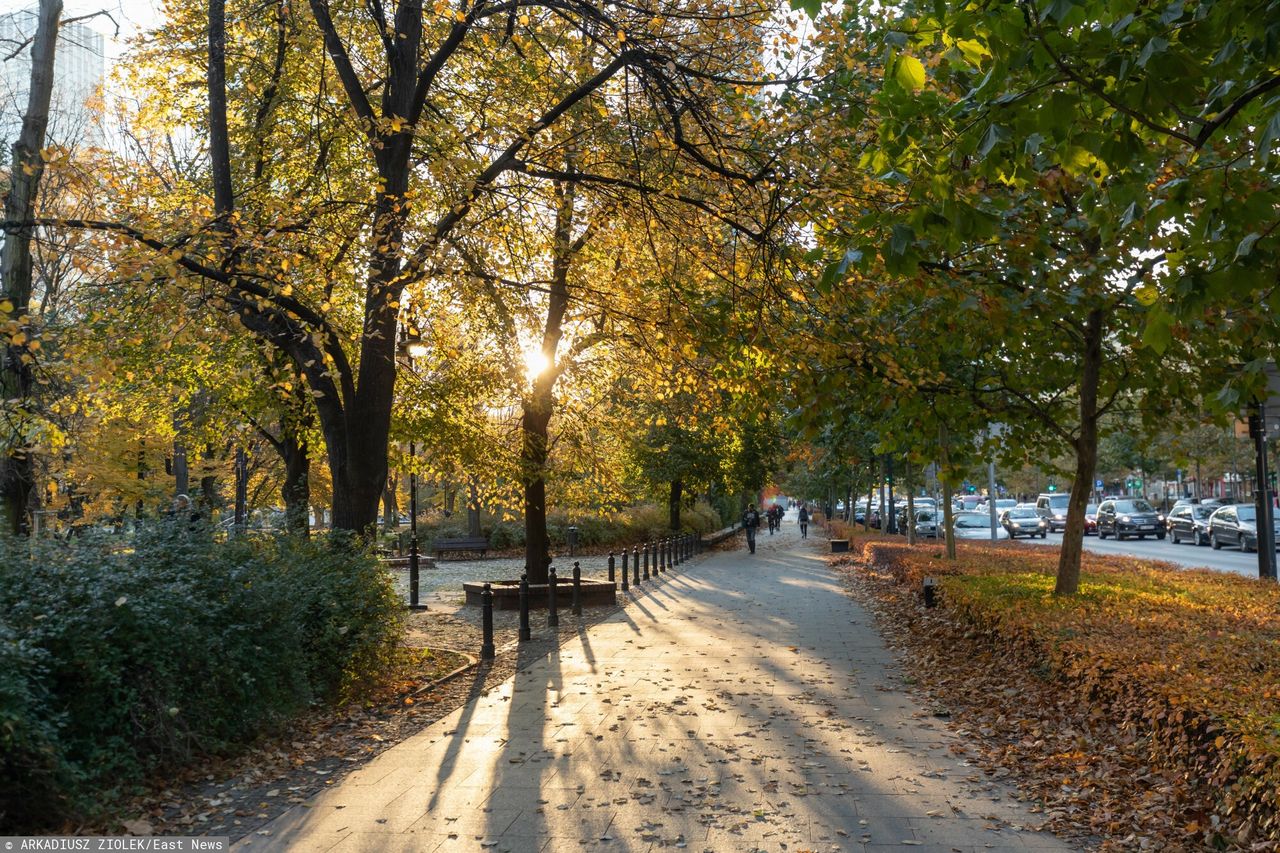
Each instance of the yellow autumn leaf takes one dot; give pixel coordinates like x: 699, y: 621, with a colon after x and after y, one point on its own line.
x: 910, y: 73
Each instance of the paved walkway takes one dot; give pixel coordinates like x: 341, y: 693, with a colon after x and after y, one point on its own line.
x: 748, y: 704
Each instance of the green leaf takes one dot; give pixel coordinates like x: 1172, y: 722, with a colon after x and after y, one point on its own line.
x: 1153, y: 47
x: 1270, y: 137
x: 910, y: 73
x: 1159, y: 331
x: 994, y: 136
x: 903, y: 236
x: 974, y: 51
x: 1246, y: 245
x: 809, y: 7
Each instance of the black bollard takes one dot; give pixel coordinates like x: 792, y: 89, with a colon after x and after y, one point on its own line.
x: 577, y: 589
x: 664, y: 554
x: 486, y: 611
x: 553, y: 615
x: 648, y: 546
x: 680, y: 549
x: 635, y: 566
x: 525, y: 633
x: 626, y: 572
x: 612, y: 571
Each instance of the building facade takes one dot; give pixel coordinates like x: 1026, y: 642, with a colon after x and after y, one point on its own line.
x: 79, y: 74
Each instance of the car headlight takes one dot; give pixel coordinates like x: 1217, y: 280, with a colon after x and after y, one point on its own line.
x: 1015, y: 524
x: 1125, y: 519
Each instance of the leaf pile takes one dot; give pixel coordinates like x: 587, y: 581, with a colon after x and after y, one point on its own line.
x: 1179, y: 665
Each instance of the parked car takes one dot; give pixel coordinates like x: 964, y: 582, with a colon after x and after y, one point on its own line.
x: 975, y: 525
x: 1237, y: 525
x: 1090, y: 519
x: 1125, y: 517
x: 928, y: 523
x: 1189, y: 521
x: 1052, y: 507
x: 1024, y: 521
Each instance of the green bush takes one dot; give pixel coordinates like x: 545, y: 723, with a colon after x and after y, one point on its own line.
x: 116, y: 661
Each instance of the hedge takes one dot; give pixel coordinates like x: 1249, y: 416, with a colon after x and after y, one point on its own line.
x: 1191, y: 659
x: 121, y: 660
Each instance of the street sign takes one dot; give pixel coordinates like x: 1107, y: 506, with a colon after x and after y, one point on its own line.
x: 1098, y: 483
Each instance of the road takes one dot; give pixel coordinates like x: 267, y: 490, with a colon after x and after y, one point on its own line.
x: 1186, y: 554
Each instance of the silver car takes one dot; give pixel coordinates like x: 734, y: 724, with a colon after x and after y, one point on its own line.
x: 976, y: 525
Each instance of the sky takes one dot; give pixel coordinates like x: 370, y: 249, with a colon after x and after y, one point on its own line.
x: 132, y: 16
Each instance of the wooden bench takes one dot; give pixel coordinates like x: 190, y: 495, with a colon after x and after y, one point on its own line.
x: 467, y: 543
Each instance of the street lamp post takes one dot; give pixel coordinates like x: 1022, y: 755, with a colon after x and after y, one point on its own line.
x: 411, y: 347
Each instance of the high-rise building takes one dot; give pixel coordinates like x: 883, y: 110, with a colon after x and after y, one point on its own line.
x: 79, y: 72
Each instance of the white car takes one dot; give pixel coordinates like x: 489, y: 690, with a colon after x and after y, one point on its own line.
x: 976, y: 525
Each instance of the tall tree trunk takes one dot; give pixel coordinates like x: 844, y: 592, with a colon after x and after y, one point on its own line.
x: 17, y: 469
x: 181, y: 471
x: 390, y: 508
x: 533, y: 462
x: 944, y: 474
x: 871, y: 491
x: 1086, y: 448
x: 473, y: 508
x: 539, y: 403
x: 296, y: 490
x: 911, y: 502
x: 673, y: 503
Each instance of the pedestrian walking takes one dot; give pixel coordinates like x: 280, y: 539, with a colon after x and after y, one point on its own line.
x: 751, y: 523
x: 803, y: 518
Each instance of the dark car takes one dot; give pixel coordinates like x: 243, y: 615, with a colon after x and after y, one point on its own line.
x: 1237, y: 525
x: 1024, y: 521
x: 1052, y: 507
x: 1090, y: 519
x: 1190, y: 521
x: 1125, y: 517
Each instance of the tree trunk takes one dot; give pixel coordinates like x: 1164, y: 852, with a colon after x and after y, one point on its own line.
x: 533, y: 461
x: 390, y: 508
x: 948, y: 515
x: 673, y: 503
x: 17, y: 470
x: 1086, y: 447
x: 871, y: 491
x: 539, y: 403
x: 911, y: 503
x: 473, y: 509
x: 181, y: 471
x: 297, y: 482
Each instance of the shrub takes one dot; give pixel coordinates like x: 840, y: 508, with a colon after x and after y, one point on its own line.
x: 119, y: 661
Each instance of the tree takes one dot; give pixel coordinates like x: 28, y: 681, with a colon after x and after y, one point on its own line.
x: 17, y: 365
x: 1008, y: 218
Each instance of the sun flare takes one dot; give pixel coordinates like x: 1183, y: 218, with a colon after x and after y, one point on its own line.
x: 535, y: 362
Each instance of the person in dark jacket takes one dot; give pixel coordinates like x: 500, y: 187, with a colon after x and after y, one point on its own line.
x: 751, y: 523
x: 803, y: 518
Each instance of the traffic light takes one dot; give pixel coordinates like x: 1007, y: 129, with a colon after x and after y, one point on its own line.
x: 1052, y: 487
x: 973, y: 489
